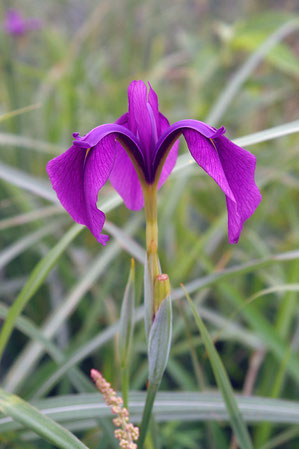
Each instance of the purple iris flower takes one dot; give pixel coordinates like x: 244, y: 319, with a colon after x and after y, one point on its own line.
x: 17, y: 25
x: 140, y: 150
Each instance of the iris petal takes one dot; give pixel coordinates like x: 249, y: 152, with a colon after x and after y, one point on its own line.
x: 230, y: 166
x: 125, y: 180
x: 120, y: 132
x: 124, y: 177
x: 97, y: 169
x: 171, y: 159
x: 239, y: 167
x: 76, y: 182
x: 78, y: 174
x: 139, y: 119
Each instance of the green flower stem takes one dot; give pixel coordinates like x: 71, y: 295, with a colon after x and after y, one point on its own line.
x: 147, y: 412
x: 150, y: 207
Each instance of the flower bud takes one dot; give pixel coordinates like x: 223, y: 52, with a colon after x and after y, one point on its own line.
x: 161, y: 330
x: 161, y: 290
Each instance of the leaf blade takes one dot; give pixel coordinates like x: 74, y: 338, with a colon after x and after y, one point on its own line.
x: 44, y: 426
x: 223, y: 383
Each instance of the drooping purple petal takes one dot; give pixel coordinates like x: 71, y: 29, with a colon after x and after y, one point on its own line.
x: 206, y: 156
x: 229, y: 165
x: 77, y: 175
x: 66, y: 173
x: 98, y: 166
x: 239, y: 167
x: 172, y: 133
x: 120, y: 132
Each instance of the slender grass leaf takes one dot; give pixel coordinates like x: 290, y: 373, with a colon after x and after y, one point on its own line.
x: 35, y: 280
x: 21, y: 245
x: 19, y: 220
x: 80, y: 381
x: 169, y: 406
x: 106, y: 335
x: 223, y: 383
x: 10, y: 114
x: 24, y: 363
x: 246, y: 69
x: 44, y: 426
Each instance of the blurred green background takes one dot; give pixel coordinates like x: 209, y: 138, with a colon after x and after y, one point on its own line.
x: 231, y: 63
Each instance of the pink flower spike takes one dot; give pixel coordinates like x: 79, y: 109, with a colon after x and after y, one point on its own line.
x: 126, y: 433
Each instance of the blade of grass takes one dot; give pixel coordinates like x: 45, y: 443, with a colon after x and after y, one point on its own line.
x: 28, y: 357
x: 105, y: 336
x: 169, y: 406
x: 10, y: 114
x: 30, y: 417
x: 7, y: 139
x: 35, y: 280
x: 19, y: 220
x: 21, y: 245
x: 236, y: 419
x: 227, y: 273
x: 80, y: 381
x: 243, y: 73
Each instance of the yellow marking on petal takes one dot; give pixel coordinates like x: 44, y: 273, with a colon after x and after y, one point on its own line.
x: 87, y: 151
x: 213, y: 144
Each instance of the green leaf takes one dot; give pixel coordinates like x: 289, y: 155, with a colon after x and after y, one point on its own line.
x: 127, y: 318
x: 169, y: 406
x: 126, y: 331
x: 23, y: 364
x: 10, y: 114
x: 31, y: 418
x: 29, y: 143
x: 80, y: 381
x: 246, y: 69
x: 19, y: 246
x: 198, y: 284
x: 35, y: 280
x: 223, y: 383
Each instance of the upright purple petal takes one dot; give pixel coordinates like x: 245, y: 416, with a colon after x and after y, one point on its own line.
x: 139, y: 118
x: 239, y: 167
x: 154, y: 103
